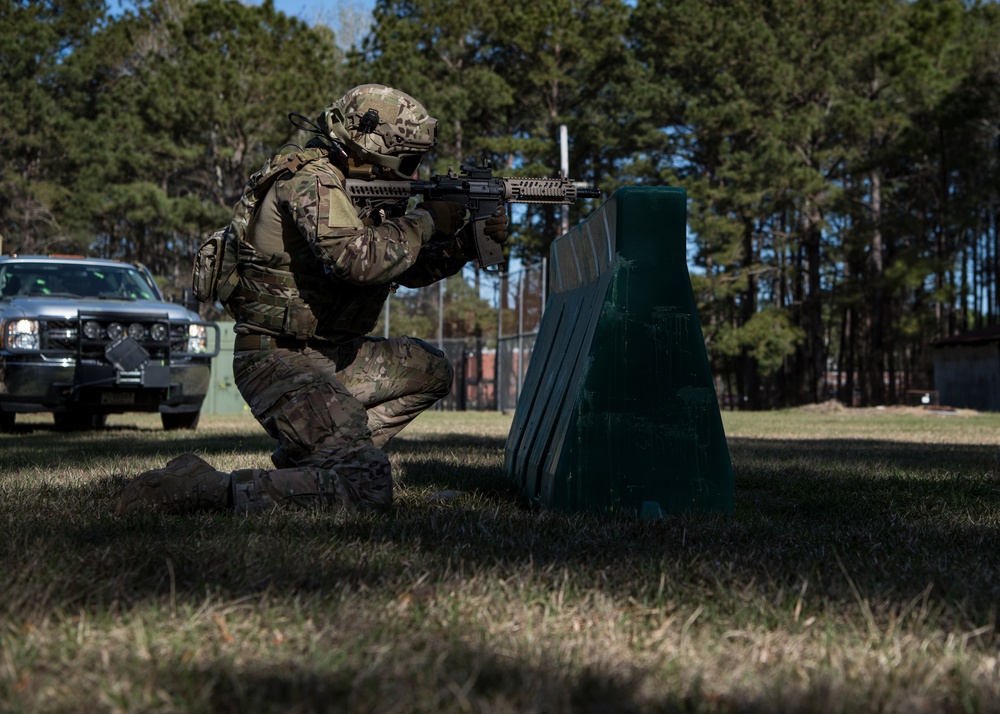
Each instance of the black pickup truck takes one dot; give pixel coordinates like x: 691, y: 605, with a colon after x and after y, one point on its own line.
x: 84, y: 337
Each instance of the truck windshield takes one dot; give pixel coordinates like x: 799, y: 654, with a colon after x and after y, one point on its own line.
x: 77, y: 281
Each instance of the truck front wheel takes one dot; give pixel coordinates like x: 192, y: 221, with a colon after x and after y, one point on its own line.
x: 180, y: 420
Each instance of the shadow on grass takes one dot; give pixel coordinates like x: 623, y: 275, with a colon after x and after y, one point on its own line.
x: 54, y: 448
x: 450, y: 674
x: 876, y: 519
x: 436, y: 443
x: 433, y: 674
x: 51, y: 447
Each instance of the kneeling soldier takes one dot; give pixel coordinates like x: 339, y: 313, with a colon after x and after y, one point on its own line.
x: 310, y: 280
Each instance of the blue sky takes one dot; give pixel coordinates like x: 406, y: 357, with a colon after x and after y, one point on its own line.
x: 309, y: 10
x: 348, y: 18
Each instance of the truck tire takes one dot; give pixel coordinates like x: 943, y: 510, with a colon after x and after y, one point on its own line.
x: 180, y: 420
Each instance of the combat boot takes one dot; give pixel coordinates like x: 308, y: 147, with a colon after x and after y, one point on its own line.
x: 188, y: 483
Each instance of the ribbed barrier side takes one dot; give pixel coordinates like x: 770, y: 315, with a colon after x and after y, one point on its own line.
x: 618, y: 409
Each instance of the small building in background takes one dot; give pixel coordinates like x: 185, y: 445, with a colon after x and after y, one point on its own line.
x: 967, y: 370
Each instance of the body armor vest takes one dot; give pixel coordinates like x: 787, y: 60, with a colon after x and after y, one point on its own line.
x: 289, y: 294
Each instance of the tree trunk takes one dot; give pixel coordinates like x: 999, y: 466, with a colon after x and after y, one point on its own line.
x: 747, y: 364
x: 813, y: 308
x: 874, y: 370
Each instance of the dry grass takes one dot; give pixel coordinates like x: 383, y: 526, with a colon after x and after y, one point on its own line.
x: 859, y: 573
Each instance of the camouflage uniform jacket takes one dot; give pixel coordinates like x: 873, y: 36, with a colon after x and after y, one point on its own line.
x: 310, y: 266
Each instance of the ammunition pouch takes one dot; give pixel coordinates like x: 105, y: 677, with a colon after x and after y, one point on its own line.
x: 208, y: 267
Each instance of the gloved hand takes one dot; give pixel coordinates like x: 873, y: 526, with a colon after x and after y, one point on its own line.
x: 495, y: 226
x: 448, y: 216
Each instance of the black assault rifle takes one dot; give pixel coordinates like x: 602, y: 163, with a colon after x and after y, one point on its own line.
x: 477, y: 190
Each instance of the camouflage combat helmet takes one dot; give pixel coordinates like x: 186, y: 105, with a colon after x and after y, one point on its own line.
x: 382, y: 126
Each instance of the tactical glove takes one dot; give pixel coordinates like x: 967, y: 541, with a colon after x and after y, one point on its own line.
x: 495, y: 227
x: 448, y: 216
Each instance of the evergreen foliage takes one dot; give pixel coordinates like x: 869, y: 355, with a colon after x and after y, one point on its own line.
x: 842, y: 157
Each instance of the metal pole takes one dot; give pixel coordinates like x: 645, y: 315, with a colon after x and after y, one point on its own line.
x: 441, y: 315
x: 520, y: 335
x: 545, y: 275
x: 439, y: 405
x: 496, y: 362
x: 564, y: 167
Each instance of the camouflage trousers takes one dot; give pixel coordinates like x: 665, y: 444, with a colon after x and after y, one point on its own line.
x: 332, y: 410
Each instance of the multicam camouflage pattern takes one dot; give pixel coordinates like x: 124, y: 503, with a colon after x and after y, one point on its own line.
x: 332, y: 411
x: 214, y: 274
x: 311, y: 267
x: 404, y: 126
x: 256, y: 490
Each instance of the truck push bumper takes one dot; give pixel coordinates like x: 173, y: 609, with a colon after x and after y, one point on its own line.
x: 40, y: 387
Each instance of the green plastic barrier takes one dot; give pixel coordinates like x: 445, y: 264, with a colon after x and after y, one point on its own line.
x: 618, y: 410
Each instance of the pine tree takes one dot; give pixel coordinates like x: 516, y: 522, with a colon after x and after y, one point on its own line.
x: 187, y: 101
x: 35, y: 39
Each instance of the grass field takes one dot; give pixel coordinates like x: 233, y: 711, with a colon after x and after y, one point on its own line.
x: 859, y: 573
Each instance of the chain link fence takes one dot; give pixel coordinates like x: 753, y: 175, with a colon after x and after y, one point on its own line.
x: 489, y: 366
